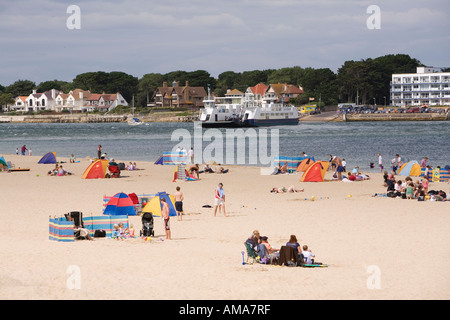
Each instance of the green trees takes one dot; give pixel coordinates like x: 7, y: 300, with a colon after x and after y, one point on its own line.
x: 111, y: 82
x: 369, y: 79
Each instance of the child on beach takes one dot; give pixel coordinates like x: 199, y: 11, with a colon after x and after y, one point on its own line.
x: 308, y: 256
x: 425, y: 183
x: 410, y: 191
x: 116, y: 234
x: 179, y: 203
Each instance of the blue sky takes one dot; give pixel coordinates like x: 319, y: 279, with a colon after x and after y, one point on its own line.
x: 144, y: 36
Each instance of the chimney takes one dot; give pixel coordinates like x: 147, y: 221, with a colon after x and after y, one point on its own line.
x: 53, y: 93
x: 187, y: 83
x: 164, y: 84
x: 34, y: 91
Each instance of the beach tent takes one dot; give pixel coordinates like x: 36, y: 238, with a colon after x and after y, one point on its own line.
x: 316, y: 172
x: 49, y: 158
x: 411, y: 168
x: 159, y: 161
x: 119, y: 205
x: 3, y: 161
x: 96, y: 170
x: 305, y: 164
x: 154, y: 205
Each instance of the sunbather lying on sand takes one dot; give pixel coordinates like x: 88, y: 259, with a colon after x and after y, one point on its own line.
x: 284, y: 190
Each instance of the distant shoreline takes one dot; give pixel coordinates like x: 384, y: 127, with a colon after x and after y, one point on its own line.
x: 172, y: 117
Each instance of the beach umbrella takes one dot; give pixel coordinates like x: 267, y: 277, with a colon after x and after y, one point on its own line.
x: 3, y: 161
x: 96, y: 170
x: 154, y: 205
x: 119, y: 205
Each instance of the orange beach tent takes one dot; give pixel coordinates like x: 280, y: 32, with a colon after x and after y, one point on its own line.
x: 305, y: 164
x: 96, y: 170
x: 315, y: 172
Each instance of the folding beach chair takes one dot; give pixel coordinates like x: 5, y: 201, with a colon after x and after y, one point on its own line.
x: 251, y: 254
x: 10, y: 165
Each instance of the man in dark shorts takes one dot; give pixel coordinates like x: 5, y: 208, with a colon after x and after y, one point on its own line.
x: 179, y: 203
x: 339, y: 167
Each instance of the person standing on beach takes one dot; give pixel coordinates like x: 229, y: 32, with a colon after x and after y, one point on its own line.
x: 191, y: 155
x: 179, y: 203
x: 166, y: 217
x: 99, y: 151
x: 423, y: 163
x: 17, y: 151
x: 24, y: 148
x: 380, y: 162
x: 30, y: 152
x: 339, y: 168
x: 219, y: 200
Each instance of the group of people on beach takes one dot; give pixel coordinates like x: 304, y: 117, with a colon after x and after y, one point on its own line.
x: 23, y: 150
x: 409, y: 189
x: 121, y: 233
x: 58, y: 170
x: 268, y: 255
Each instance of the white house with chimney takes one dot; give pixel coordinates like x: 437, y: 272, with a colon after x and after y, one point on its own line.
x: 76, y: 100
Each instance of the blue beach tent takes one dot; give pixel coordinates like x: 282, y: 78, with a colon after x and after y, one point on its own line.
x: 49, y: 158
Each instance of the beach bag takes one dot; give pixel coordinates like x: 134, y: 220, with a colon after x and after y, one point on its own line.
x: 99, y: 233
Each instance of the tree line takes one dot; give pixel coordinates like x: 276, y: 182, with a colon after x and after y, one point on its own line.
x: 368, y: 79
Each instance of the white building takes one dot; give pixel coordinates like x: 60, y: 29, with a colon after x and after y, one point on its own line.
x: 425, y: 87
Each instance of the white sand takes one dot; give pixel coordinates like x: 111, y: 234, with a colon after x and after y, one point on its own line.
x: 407, y: 241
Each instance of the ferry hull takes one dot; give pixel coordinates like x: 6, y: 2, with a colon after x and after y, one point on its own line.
x: 270, y: 122
x: 220, y: 124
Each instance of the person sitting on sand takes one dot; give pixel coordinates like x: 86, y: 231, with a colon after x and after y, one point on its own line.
x: 259, y: 248
x: 293, y: 243
x: 390, y: 183
x: 131, y: 166
x: 221, y: 170
x: 277, y: 169
x: 409, y: 191
x: 207, y: 169
x: 269, y: 248
x: 61, y: 171
x: 194, y: 168
x: 283, y: 169
x: 308, y: 256
x: 72, y: 158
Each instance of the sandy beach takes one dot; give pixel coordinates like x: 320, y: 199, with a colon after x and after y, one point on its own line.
x: 407, y: 242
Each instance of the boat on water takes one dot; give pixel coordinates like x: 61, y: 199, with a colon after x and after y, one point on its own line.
x: 232, y: 112
x: 135, y: 122
x: 221, y: 112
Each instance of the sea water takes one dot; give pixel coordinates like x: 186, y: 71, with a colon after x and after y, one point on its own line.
x: 357, y: 142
